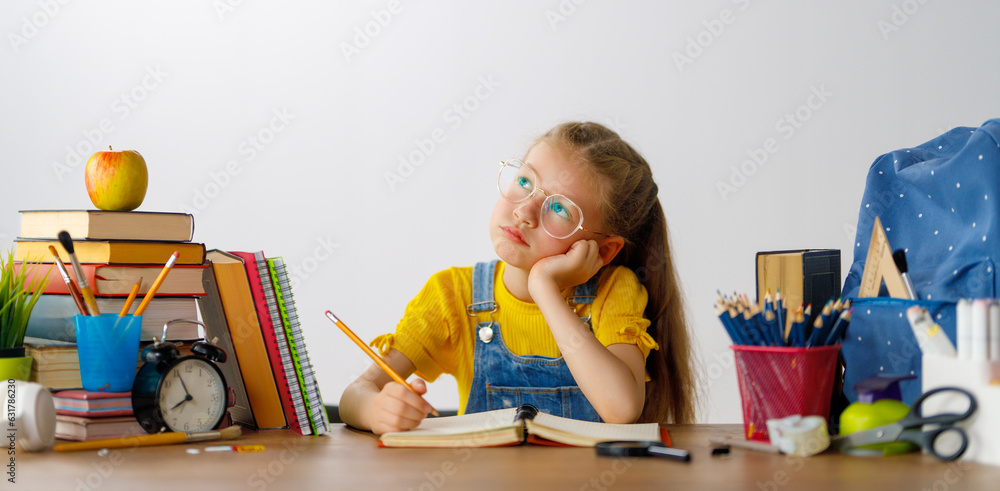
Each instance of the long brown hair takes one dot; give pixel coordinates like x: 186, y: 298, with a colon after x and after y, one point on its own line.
x: 631, y: 209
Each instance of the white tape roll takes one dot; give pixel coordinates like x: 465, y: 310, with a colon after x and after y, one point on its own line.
x: 799, y: 436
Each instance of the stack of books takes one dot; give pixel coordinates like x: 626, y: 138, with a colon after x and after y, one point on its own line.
x: 115, y: 250
x: 83, y: 415
x: 56, y: 364
x: 244, y: 300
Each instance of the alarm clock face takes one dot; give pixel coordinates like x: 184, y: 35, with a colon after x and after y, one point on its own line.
x: 192, y: 395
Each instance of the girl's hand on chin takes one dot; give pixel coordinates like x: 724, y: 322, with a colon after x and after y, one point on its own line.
x: 575, y: 267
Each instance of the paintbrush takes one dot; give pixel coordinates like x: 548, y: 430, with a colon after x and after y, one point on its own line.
x: 150, y: 440
x: 88, y: 296
x: 73, y: 290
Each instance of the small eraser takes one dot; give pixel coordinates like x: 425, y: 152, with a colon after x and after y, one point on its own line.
x: 720, y: 451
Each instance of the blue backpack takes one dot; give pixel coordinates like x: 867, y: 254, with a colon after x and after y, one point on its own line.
x: 940, y: 202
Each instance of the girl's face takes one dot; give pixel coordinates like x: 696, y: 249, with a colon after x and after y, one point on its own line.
x: 515, y: 228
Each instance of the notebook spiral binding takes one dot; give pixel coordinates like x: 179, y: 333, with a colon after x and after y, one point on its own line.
x: 291, y: 379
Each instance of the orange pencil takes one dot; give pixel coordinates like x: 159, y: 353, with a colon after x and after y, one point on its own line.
x: 378, y: 359
x: 131, y: 297
x: 156, y: 284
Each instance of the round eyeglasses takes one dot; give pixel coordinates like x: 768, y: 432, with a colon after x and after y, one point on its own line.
x: 560, y: 216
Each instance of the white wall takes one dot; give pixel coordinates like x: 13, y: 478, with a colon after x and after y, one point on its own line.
x: 211, y: 76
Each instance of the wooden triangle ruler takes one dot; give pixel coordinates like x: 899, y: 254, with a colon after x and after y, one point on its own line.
x: 880, y: 267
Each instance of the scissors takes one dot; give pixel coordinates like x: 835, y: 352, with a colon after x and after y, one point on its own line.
x: 641, y: 449
x: 944, y: 440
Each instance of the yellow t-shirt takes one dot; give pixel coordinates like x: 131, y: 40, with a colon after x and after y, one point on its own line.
x: 438, y: 336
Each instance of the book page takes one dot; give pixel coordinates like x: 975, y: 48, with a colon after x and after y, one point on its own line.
x: 588, y: 433
x: 485, y: 429
x: 466, y: 423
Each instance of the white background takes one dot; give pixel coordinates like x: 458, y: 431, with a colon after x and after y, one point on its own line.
x: 195, y: 85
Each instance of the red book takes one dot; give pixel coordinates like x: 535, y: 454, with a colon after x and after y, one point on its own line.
x: 274, y: 345
x: 116, y: 280
x: 80, y: 402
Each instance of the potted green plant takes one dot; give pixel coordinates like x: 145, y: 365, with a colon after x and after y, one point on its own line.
x: 17, y: 298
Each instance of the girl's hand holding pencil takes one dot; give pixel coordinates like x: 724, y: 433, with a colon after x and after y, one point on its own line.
x: 397, y: 406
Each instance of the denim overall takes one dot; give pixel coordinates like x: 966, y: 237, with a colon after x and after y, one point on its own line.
x: 502, y: 379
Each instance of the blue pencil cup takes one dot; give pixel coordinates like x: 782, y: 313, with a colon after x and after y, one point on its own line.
x: 108, y: 349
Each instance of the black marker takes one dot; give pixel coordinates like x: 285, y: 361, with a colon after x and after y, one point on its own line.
x: 899, y: 257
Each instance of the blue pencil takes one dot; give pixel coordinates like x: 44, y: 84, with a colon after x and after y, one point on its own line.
x: 727, y: 315
x: 726, y: 320
x: 796, y: 335
x: 758, y: 320
x: 839, y: 328
x: 779, y: 310
x: 771, y: 320
x: 754, y: 334
x: 822, y: 325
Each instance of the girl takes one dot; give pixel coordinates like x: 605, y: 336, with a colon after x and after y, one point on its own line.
x: 582, y: 317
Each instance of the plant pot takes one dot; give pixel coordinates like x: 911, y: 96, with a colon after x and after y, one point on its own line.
x: 14, y: 364
x: 12, y: 352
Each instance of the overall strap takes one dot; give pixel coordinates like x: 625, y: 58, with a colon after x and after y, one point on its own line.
x: 587, y: 292
x: 482, y: 288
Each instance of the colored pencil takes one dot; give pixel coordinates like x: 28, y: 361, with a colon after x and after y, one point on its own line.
x: 780, y: 313
x: 839, y: 328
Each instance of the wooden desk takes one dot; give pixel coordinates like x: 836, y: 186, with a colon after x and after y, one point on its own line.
x: 349, y: 459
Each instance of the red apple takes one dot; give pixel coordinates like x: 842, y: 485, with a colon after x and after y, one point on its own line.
x: 116, y: 181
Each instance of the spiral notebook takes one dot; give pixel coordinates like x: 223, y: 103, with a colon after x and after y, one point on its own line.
x: 274, y: 339
x: 312, y: 399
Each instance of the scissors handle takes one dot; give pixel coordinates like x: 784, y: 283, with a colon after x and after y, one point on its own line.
x: 940, y: 442
x: 916, y: 416
x: 946, y: 441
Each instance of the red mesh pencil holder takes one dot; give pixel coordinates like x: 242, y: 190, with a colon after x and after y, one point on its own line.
x: 776, y: 382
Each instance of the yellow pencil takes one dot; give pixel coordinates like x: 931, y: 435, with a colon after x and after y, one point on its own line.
x: 131, y: 297
x: 154, y: 439
x: 156, y: 284
x: 378, y: 359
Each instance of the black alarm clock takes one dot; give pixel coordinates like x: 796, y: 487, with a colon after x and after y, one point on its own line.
x: 180, y: 393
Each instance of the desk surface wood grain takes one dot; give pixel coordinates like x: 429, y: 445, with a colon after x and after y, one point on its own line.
x: 349, y: 459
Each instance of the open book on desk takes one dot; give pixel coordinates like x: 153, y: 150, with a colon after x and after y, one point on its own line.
x: 513, y: 426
